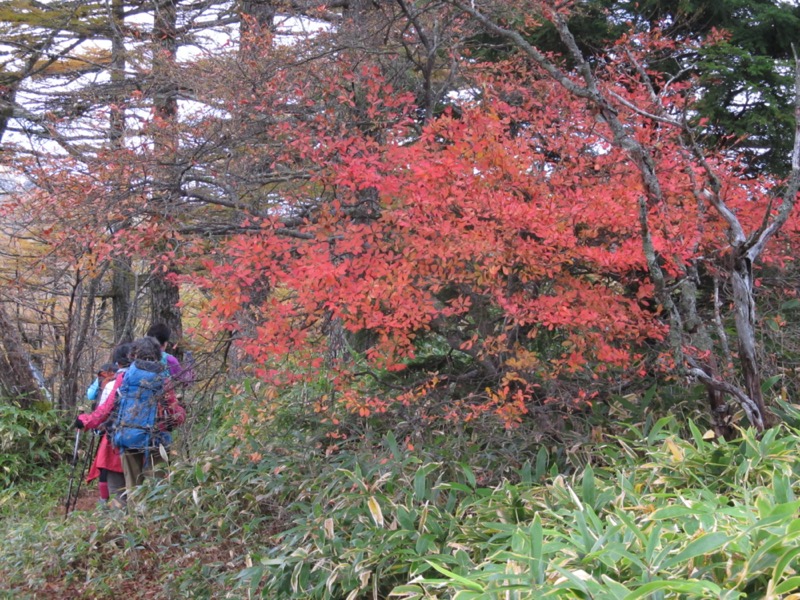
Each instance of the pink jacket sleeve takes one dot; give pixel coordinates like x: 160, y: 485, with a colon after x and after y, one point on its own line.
x: 102, y: 412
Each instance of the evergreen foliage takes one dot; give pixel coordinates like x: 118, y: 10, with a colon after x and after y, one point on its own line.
x: 745, y: 75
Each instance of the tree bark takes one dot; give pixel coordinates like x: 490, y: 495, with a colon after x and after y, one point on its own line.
x: 745, y: 319
x: 121, y: 288
x: 17, y: 381
x: 164, y: 306
x: 258, y: 20
x: 121, y: 291
x: 164, y: 294
x: 78, y: 332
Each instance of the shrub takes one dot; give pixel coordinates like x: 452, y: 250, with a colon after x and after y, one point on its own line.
x: 674, y: 519
x: 31, y: 442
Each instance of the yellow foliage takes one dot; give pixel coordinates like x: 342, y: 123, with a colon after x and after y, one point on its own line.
x: 89, y: 60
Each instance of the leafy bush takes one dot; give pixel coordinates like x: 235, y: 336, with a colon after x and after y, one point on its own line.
x: 672, y: 519
x: 275, y: 515
x: 31, y: 442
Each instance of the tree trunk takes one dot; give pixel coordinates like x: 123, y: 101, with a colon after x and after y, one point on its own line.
x: 121, y: 290
x: 745, y: 318
x: 164, y: 298
x: 17, y: 381
x: 696, y: 330
x: 258, y: 20
x: 121, y: 286
x: 78, y: 332
x: 164, y: 294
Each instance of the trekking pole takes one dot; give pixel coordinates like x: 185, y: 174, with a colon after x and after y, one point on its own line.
x: 86, y: 460
x: 72, y: 474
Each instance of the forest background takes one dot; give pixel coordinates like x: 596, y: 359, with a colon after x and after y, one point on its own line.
x: 427, y: 256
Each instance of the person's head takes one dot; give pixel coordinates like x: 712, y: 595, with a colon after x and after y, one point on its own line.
x: 161, y: 332
x: 147, y: 348
x: 122, y: 355
x: 106, y: 371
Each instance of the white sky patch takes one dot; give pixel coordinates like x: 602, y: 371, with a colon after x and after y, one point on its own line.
x: 465, y: 95
x: 288, y: 29
x: 51, y: 93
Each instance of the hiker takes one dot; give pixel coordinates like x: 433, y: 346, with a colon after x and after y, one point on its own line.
x: 107, y: 466
x: 104, y: 375
x: 179, y: 373
x: 146, y: 412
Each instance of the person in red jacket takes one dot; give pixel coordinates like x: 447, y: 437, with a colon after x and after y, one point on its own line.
x: 107, y: 465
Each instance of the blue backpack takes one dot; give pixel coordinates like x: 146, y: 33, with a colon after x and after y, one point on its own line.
x: 137, y: 410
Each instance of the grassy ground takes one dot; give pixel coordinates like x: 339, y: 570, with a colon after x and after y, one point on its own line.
x: 97, y: 552
x: 653, y: 515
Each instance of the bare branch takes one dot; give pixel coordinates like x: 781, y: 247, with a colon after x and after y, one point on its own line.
x: 640, y: 111
x: 789, y: 197
x: 750, y: 408
x: 523, y: 44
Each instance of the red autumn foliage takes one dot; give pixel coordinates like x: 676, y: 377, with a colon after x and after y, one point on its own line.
x: 505, y: 229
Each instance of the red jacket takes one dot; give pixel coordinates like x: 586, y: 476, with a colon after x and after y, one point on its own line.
x: 107, y: 456
x: 101, y: 414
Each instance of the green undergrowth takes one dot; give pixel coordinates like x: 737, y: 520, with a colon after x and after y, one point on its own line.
x: 653, y: 514
x: 31, y: 442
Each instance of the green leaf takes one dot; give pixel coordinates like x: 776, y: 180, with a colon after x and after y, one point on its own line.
x: 652, y: 543
x: 526, y: 473
x: 536, y: 534
x: 790, y: 585
x: 792, y: 304
x: 694, y: 588
x: 703, y: 545
x: 674, y: 512
x: 648, y: 396
x: 784, y: 562
x: 631, y: 525
x: 408, y: 592
x: 391, y: 442
x: 468, y: 474
x: 199, y: 474
x: 424, y: 544
x: 657, y: 427
x: 588, y: 485
x: 697, y: 435
x: 459, y: 487
x: 617, y: 589
x: 767, y: 384
x: 468, y: 595
x: 786, y: 509
x: 542, y: 458
x: 422, y: 491
x: 794, y: 526
x: 782, y: 488
x: 520, y: 542
x: 471, y: 585
x: 407, y: 518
